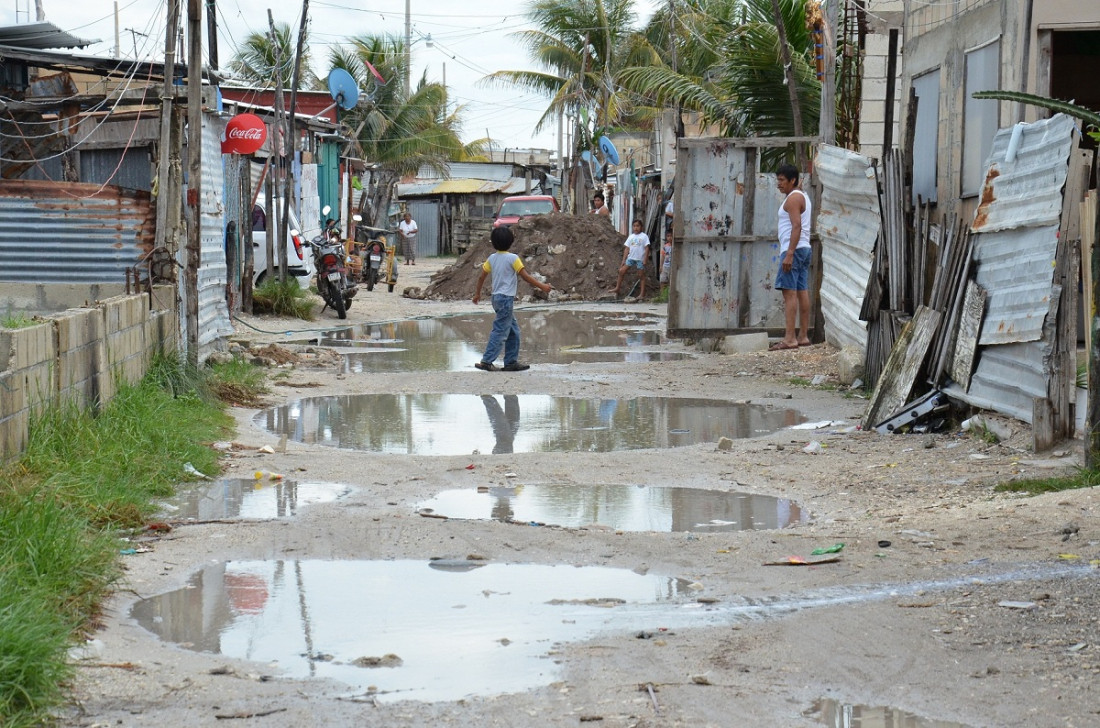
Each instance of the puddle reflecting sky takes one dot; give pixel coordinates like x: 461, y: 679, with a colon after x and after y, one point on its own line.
x: 261, y: 498
x: 549, y: 337
x: 835, y: 714
x: 457, y: 424
x: 621, y: 507
x: 484, y: 631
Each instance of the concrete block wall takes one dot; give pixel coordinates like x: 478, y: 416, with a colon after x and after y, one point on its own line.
x: 80, y: 355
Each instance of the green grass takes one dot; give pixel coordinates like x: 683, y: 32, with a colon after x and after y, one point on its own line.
x: 239, y: 382
x: 17, y: 321
x: 1035, y: 486
x: 63, y: 504
x: 662, y: 295
x: 283, y: 299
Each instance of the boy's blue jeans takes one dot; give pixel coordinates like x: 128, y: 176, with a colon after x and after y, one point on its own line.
x: 505, y: 332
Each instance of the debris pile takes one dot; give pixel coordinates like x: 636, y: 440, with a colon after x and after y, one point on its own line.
x: 579, y: 255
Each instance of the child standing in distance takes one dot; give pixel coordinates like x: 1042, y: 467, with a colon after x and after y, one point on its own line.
x: 506, y: 269
x: 635, y: 250
x: 666, y: 261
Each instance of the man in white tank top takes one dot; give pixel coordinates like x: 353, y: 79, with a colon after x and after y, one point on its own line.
x: 793, y: 278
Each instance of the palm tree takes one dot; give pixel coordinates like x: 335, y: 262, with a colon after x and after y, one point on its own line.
x: 581, y: 47
x: 260, y: 60
x: 731, y: 67
x: 398, y: 129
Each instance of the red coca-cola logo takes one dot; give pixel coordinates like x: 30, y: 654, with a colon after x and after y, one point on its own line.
x: 244, y: 134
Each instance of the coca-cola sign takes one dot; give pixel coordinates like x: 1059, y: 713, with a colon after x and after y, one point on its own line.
x: 244, y: 134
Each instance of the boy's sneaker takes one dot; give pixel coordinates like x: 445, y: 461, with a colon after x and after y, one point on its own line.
x: 515, y: 367
x: 486, y: 367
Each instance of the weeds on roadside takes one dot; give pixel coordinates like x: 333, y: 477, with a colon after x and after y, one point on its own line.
x: 17, y: 321
x: 81, y: 477
x: 662, y: 295
x: 1035, y: 486
x: 283, y: 299
x: 238, y: 382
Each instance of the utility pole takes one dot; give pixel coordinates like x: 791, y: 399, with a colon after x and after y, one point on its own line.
x: 167, y: 95
x: 675, y: 65
x: 279, y: 149
x: 212, y: 34
x: 408, y: 46
x: 194, y: 178
x: 293, y: 137
x: 827, y: 129
x: 117, y: 53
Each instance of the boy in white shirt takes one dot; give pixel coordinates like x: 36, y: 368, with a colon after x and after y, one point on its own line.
x: 635, y: 252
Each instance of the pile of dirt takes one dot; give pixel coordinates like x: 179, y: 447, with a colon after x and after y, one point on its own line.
x: 579, y: 255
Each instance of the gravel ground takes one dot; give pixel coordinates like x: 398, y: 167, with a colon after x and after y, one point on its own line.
x: 981, y: 609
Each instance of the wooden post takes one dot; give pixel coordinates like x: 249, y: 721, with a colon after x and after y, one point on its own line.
x: 827, y: 124
x: 194, y: 178
x: 167, y: 95
x: 1092, y: 421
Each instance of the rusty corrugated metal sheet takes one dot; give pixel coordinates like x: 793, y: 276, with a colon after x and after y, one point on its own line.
x: 214, y: 323
x: 53, y: 232
x: 1018, y: 222
x: 848, y: 224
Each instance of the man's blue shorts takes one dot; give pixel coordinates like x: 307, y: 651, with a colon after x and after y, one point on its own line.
x: 639, y: 264
x: 798, y: 278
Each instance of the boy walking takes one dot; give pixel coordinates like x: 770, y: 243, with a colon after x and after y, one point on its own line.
x: 635, y: 251
x: 506, y: 269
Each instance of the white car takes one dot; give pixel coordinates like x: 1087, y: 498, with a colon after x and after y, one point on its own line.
x: 299, y: 260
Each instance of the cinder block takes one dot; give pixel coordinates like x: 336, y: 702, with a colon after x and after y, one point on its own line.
x: 849, y: 365
x: 744, y: 343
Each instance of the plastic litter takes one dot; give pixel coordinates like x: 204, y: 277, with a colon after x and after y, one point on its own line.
x: 192, y: 471
x: 813, y: 448
x: 834, y: 549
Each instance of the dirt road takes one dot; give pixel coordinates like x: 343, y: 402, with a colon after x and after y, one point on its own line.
x: 947, y: 601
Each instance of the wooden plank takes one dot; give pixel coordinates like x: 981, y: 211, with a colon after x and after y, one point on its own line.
x: 902, y: 367
x: 1042, y: 425
x: 966, y: 345
x: 1088, y: 239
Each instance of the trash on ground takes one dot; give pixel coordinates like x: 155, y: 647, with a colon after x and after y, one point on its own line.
x: 1008, y: 604
x: 192, y: 471
x: 834, y: 549
x: 813, y: 448
x: 799, y: 561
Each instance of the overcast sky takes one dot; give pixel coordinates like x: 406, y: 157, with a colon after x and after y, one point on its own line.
x: 470, y: 37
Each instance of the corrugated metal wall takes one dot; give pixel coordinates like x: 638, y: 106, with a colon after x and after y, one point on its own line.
x: 848, y: 224
x: 726, y: 239
x: 1017, y: 236
x: 428, y: 240
x: 71, y: 233
x: 214, y: 323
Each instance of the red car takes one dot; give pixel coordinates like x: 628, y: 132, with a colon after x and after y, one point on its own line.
x: 514, y: 209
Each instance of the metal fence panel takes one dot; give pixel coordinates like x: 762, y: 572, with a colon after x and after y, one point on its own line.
x: 428, y: 239
x: 214, y: 321
x: 848, y: 224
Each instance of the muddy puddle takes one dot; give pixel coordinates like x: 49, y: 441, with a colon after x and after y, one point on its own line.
x: 264, y: 497
x: 454, y: 344
x: 462, y: 424
x: 835, y: 714
x: 401, y: 629
x: 619, y: 507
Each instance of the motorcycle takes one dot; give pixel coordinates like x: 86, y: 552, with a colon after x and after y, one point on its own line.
x: 378, y: 257
x: 374, y: 251
x: 333, y: 283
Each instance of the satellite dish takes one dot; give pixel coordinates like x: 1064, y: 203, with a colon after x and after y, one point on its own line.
x: 586, y: 155
x: 343, y: 89
x: 609, y: 151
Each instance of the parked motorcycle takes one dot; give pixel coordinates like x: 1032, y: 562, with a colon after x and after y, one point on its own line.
x: 373, y: 253
x: 379, y: 264
x: 333, y: 283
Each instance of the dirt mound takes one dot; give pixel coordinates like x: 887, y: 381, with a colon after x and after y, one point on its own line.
x: 579, y: 255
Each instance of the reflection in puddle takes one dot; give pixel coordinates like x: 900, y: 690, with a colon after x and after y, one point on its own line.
x: 412, y: 631
x: 621, y: 507
x: 549, y: 337
x: 250, y: 498
x: 457, y: 424
x: 835, y: 714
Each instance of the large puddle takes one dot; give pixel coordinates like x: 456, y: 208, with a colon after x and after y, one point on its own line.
x: 259, y: 498
x: 619, y: 507
x: 447, y: 629
x: 454, y: 344
x: 399, y: 628
x: 460, y: 424
x: 834, y: 714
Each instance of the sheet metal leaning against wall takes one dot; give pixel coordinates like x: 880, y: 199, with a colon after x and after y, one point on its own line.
x: 848, y: 224
x: 214, y: 323
x: 725, y: 238
x: 1017, y: 227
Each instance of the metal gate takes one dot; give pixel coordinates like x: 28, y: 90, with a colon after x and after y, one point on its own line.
x: 428, y: 240
x: 726, y: 238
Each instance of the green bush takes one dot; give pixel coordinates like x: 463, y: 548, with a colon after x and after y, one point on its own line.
x: 283, y: 299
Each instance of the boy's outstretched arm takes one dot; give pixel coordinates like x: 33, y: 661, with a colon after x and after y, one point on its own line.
x: 480, y: 283
x: 544, y: 287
